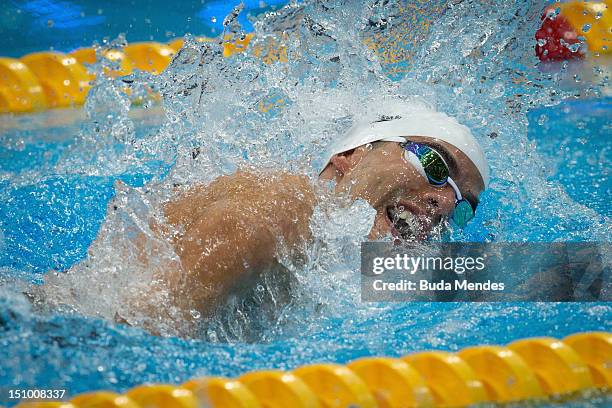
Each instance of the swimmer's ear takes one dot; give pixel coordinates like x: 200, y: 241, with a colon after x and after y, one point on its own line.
x: 342, y: 162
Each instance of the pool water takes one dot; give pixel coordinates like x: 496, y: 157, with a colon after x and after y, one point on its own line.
x: 35, y: 25
x: 548, y: 146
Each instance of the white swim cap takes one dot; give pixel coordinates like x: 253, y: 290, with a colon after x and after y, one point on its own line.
x: 408, y: 119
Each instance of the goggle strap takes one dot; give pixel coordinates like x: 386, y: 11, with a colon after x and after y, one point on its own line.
x: 414, y: 161
x: 454, y: 186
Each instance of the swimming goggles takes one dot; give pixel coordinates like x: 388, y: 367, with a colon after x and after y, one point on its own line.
x: 431, y: 165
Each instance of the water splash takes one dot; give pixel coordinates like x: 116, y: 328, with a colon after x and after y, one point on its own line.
x: 218, y: 114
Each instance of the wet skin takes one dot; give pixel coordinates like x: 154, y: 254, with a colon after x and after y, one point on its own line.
x: 230, y: 231
x: 232, y: 228
x: 380, y: 174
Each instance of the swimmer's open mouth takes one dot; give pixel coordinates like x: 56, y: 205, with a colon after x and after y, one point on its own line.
x: 404, y: 224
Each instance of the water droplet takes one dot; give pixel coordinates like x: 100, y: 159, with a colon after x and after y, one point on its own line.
x: 542, y: 119
x: 586, y: 28
x: 498, y: 90
x: 573, y: 47
x: 195, y: 314
x: 213, y: 19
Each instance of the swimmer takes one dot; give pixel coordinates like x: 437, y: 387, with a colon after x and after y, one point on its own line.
x: 416, y: 167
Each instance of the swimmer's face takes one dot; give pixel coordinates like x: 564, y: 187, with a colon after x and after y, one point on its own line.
x: 406, y: 204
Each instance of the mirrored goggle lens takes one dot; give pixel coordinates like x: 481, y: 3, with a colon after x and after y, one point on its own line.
x: 434, y: 165
x: 463, y: 213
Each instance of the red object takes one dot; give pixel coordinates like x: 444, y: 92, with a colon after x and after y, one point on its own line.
x: 556, y: 38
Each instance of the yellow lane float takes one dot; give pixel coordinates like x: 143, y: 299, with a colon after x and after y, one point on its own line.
x: 504, y: 374
x: 558, y: 368
x: 88, y: 56
x: 593, y: 20
x: 392, y: 382
x: 163, y: 396
x: 595, y: 349
x: 178, y: 43
x: 222, y: 392
x: 278, y: 389
x: 566, y: 25
x: 527, y: 369
x: 271, y: 51
x: 336, y: 386
x: 150, y: 56
x: 52, y: 79
x: 451, y: 380
x: 9, y: 102
x: 20, y: 90
x: 231, y: 45
x: 103, y: 399
x: 64, y: 81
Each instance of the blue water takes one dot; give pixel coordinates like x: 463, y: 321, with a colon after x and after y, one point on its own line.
x: 573, y: 137
x: 550, y: 181
x: 34, y: 25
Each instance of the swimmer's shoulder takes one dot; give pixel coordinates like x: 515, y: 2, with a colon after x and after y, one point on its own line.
x: 245, y: 187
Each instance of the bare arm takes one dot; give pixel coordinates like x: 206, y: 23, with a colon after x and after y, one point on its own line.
x: 225, y: 234
x: 232, y: 229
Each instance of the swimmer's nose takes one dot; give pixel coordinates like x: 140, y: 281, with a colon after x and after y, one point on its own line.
x: 441, y: 201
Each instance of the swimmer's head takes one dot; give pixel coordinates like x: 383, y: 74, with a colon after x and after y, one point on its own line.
x: 414, y: 165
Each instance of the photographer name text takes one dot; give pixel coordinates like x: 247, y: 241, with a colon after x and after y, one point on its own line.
x: 425, y: 285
